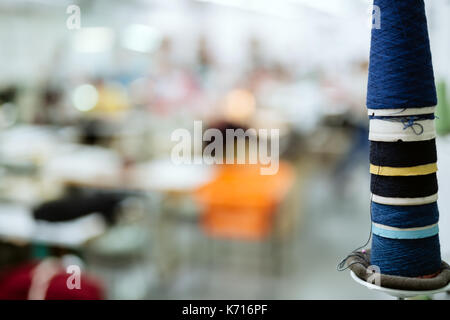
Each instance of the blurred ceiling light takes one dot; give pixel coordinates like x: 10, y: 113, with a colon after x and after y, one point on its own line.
x: 336, y: 8
x: 93, y: 39
x: 239, y: 105
x: 85, y: 97
x: 281, y: 9
x: 141, y: 38
x: 332, y: 7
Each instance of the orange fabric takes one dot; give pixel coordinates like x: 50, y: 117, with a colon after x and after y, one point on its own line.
x: 240, y: 202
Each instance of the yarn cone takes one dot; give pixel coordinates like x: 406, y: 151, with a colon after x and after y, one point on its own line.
x: 401, y: 101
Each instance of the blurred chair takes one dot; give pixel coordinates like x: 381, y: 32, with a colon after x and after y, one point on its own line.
x: 241, y: 203
x: 241, y: 210
x: 122, y: 257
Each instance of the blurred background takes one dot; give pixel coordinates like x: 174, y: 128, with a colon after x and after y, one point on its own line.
x: 86, y: 117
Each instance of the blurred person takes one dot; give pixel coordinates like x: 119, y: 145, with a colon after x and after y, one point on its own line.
x: 8, y: 94
x: 240, y: 202
x: 50, y: 105
x: 255, y: 54
x: 356, y: 122
x: 47, y: 280
x: 173, y: 87
x: 8, y: 108
x: 207, y: 80
x: 205, y: 60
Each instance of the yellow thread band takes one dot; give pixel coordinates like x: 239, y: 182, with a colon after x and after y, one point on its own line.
x: 408, y: 171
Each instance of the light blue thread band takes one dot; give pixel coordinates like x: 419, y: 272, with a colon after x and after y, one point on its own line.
x: 405, y: 234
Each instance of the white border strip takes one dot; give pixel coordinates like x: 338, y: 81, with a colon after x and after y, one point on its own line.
x: 404, y: 201
x: 390, y: 131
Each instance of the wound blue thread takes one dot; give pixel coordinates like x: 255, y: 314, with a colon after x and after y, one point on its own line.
x: 407, y: 258
x: 401, y: 77
x: 405, y: 216
x: 401, y: 71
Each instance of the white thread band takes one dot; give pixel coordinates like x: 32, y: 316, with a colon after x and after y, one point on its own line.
x: 400, y: 112
x: 404, y: 201
x: 392, y: 131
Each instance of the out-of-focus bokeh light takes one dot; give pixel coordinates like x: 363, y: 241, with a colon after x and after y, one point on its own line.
x: 85, y: 97
x: 93, y: 39
x: 239, y: 105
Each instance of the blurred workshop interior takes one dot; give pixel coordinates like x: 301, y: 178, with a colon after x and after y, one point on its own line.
x: 87, y: 177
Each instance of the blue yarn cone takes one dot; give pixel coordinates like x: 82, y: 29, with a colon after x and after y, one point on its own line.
x: 401, y: 77
x: 401, y: 71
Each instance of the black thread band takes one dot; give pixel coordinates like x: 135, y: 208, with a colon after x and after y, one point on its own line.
x: 403, y: 154
x: 404, y: 187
